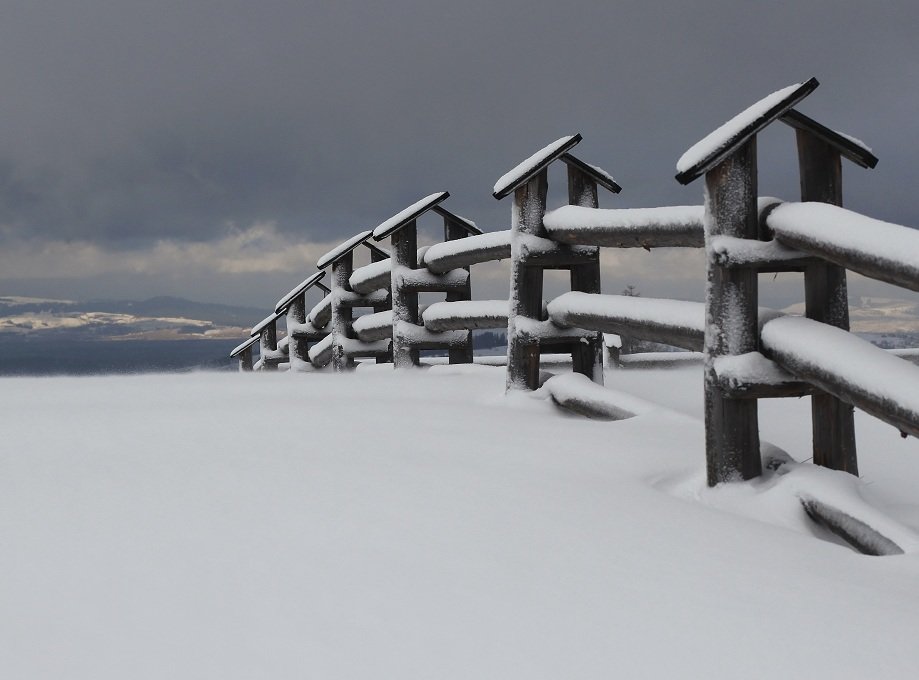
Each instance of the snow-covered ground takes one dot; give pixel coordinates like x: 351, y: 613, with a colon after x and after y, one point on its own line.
x: 377, y: 525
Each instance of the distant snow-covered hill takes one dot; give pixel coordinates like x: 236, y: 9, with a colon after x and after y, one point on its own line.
x: 158, y: 318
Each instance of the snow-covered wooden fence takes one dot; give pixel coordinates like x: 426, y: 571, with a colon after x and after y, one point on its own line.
x: 749, y: 352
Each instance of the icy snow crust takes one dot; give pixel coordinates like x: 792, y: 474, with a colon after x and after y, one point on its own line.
x: 716, y: 140
x: 509, y: 180
x: 425, y: 525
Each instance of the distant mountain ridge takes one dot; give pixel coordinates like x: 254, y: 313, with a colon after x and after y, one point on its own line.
x: 156, y: 318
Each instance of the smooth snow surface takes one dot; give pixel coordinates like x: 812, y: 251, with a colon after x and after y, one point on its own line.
x: 420, y: 524
x: 712, y: 142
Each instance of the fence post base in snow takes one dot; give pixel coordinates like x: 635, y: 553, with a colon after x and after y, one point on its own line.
x: 404, y: 300
x: 526, y: 282
x: 245, y: 360
x: 586, y: 357
x: 268, y: 344
x: 296, y: 314
x: 731, y: 425
x: 827, y: 301
x: 463, y: 354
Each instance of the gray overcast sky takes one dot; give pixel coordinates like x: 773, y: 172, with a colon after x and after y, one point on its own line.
x: 213, y: 149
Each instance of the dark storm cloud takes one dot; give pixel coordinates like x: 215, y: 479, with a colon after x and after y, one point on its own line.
x: 127, y: 122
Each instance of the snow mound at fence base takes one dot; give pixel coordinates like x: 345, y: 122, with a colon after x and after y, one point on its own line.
x: 425, y: 525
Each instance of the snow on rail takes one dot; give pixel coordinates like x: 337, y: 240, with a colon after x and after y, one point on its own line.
x: 371, y: 327
x: 421, y: 338
x: 305, y: 331
x: 401, y: 218
x: 359, y: 348
x: 463, y: 252
x: 321, y: 353
x: 715, y: 146
x: 880, y: 250
x: 321, y: 313
x: 847, y: 367
x: 673, y: 322
x: 371, y: 277
x: 627, y: 227
x: 525, y: 170
x: 466, y: 315
x: 340, y: 250
x: 422, y: 280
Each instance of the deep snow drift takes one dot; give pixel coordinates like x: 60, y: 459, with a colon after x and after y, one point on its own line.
x: 377, y: 525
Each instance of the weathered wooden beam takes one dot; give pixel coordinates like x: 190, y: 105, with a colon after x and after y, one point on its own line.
x: 526, y: 282
x: 298, y: 344
x: 727, y: 140
x: 342, y: 314
x: 827, y: 301
x: 268, y: 346
x: 731, y: 425
x: 845, y: 146
x: 404, y: 301
x: 586, y: 357
x: 526, y: 171
x: 455, y: 230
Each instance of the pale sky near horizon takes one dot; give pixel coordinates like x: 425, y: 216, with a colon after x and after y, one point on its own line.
x: 213, y: 150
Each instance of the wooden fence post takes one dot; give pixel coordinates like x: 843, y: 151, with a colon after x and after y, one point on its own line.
x: 342, y: 314
x: 404, y: 299
x: 587, y: 358
x: 298, y: 348
x: 526, y: 281
x: 463, y: 354
x: 245, y: 360
x: 827, y: 301
x: 378, y: 255
x: 268, y: 344
x: 731, y: 425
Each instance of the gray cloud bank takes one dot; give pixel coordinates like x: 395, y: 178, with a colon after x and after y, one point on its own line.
x: 131, y: 128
